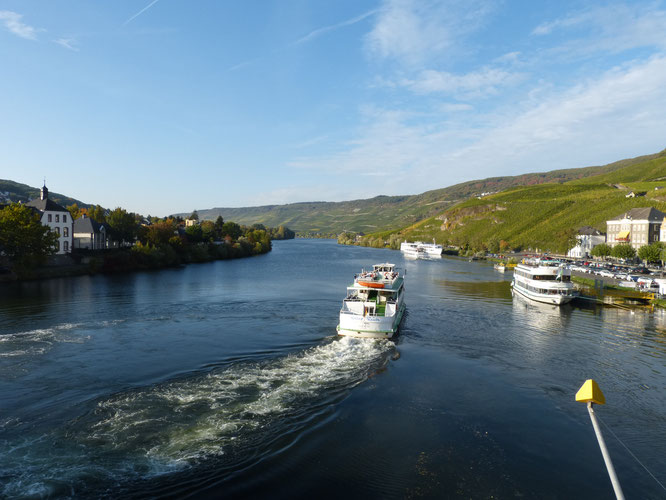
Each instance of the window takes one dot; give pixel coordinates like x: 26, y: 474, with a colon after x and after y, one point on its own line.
x: 50, y: 218
x: 57, y: 218
x: 64, y: 219
x: 65, y: 245
x: 58, y: 246
x: 65, y: 231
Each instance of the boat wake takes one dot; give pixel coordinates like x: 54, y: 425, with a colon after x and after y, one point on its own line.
x: 233, y: 416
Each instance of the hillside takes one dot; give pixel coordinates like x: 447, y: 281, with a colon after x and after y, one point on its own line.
x: 11, y: 191
x: 389, y: 212
x: 544, y: 216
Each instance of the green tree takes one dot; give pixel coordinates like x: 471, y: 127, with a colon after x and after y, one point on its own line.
x: 602, y: 250
x: 194, y: 233
x: 219, y: 224
x: 493, y: 245
x: 123, y: 225
x: 97, y: 213
x: 232, y: 230
x: 652, y: 252
x: 160, y: 233
x: 208, y: 230
x: 623, y: 251
x: 23, y: 238
x: 74, y: 211
x: 194, y: 215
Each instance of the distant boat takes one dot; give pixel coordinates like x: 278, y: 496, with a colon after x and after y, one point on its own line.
x: 374, y: 305
x: 420, y: 249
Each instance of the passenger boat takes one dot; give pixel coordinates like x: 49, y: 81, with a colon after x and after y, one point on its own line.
x: 547, y: 281
x: 411, y: 249
x: 432, y: 249
x: 421, y: 250
x: 374, y: 305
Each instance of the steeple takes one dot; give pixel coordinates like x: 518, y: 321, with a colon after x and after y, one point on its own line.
x: 44, y: 192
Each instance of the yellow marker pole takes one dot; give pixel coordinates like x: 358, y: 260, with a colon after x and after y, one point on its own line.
x: 590, y: 393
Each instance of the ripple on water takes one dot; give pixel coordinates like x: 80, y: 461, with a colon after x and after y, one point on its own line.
x: 227, y: 414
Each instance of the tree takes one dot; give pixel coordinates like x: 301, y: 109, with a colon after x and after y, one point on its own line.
x: 97, y: 213
x: 219, y: 224
x: 493, y: 245
x: 652, y: 252
x: 232, y: 229
x: 194, y: 233
x: 601, y: 250
x: 123, y: 225
x: 194, y: 215
x: 208, y: 230
x: 160, y: 233
x: 74, y: 211
x: 23, y: 238
x: 623, y: 251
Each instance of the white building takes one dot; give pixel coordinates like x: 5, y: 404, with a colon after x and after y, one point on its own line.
x: 588, y: 238
x: 57, y: 218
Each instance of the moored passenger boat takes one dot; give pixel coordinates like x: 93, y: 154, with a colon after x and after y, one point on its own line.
x: 545, y: 281
x: 374, y: 305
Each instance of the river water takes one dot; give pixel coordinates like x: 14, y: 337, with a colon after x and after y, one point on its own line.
x: 226, y: 379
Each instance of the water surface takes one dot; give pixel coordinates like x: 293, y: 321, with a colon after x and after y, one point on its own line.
x: 227, y: 378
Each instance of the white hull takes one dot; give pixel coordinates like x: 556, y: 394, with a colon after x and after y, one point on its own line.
x: 370, y: 327
x: 557, y: 300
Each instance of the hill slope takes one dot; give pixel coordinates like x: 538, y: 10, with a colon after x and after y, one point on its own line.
x: 389, y: 212
x: 546, y: 216
x: 11, y: 191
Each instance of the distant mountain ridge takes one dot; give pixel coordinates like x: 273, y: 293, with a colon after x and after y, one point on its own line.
x: 383, y: 213
x: 11, y: 191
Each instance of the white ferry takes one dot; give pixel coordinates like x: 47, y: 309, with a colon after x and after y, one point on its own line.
x: 420, y: 249
x: 432, y: 249
x: 545, y: 281
x: 412, y: 250
x: 374, y: 305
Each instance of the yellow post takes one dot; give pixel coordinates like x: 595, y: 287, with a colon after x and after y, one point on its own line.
x: 590, y: 393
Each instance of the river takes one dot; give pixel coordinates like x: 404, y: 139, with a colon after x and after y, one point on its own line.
x: 227, y: 379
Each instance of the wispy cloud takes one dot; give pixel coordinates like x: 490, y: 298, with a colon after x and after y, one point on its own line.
x: 611, y: 28
x: 616, y: 114
x: 414, y: 31
x: 140, y: 12
x: 481, y: 83
x: 326, y: 29
x: 12, y: 22
x: 68, y: 43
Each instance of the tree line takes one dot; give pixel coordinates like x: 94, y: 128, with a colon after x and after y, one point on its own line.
x: 144, y: 242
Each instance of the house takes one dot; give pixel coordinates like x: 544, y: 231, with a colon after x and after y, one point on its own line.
x: 90, y: 234
x: 191, y: 222
x: 588, y: 237
x: 56, y: 217
x: 637, y: 227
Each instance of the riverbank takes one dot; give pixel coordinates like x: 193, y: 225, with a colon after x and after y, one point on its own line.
x: 136, y: 258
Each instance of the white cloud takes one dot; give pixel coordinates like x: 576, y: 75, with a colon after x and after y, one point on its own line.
x: 619, y: 114
x: 414, y: 31
x: 611, y: 28
x: 480, y: 83
x: 68, y: 43
x: 12, y: 22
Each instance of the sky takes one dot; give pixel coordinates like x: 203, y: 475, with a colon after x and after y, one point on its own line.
x: 167, y: 106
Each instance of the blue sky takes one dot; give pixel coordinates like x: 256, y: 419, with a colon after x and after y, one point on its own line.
x: 165, y: 106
